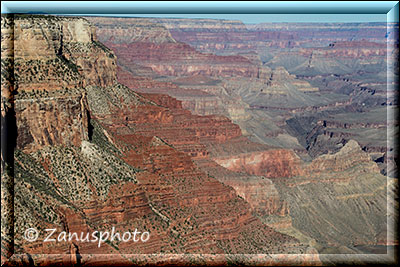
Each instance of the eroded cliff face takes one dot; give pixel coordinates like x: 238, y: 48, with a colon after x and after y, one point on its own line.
x: 285, y: 163
x: 97, y: 155
x: 349, y: 49
x: 43, y: 122
x: 351, y: 200
x: 201, y: 95
x: 277, y: 93
x: 54, y: 60
x: 343, y: 63
x: 142, y: 160
x: 202, y: 139
x: 156, y: 135
x: 209, y: 83
x: 226, y: 37
x: 161, y: 138
x: 72, y: 54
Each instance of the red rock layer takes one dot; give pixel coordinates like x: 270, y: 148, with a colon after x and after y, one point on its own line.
x: 198, y: 137
x: 43, y: 122
x: 184, y: 209
x: 272, y: 163
x: 184, y: 196
x: 53, y: 60
x: 258, y: 191
x: 177, y: 126
x: 232, y: 41
x: 230, y: 37
x: 149, y: 85
x: 179, y: 59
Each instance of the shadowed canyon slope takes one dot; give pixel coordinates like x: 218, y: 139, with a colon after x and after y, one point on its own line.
x: 233, y: 149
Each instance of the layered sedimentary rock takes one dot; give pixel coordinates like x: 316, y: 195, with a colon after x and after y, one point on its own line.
x: 148, y: 134
x: 335, y: 180
x: 168, y: 57
x: 54, y: 59
x: 224, y: 36
x: 271, y: 163
x: 372, y: 129
x: 197, y: 101
x: 349, y: 49
x: 72, y: 50
x: 43, y: 122
x: 253, y: 166
x: 258, y: 191
x: 276, y: 94
x: 231, y: 37
x: 273, y: 93
x: 102, y: 155
x: 206, y: 95
x: 141, y: 159
x: 128, y: 30
x: 370, y: 199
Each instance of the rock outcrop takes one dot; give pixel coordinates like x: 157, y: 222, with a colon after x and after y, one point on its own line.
x: 54, y: 59
x: 205, y: 95
x: 129, y: 30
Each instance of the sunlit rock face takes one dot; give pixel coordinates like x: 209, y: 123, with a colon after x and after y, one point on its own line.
x: 54, y: 60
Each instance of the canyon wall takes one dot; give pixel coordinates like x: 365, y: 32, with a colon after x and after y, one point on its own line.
x: 49, y: 100
x: 348, y: 176
x: 166, y: 56
x: 101, y: 145
x: 92, y: 153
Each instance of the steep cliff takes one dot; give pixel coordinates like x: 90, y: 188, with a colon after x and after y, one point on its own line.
x: 264, y: 176
x: 128, y: 30
x: 92, y: 154
x: 54, y: 59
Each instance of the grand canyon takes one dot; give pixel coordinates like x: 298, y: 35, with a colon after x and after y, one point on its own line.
x: 266, y: 144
